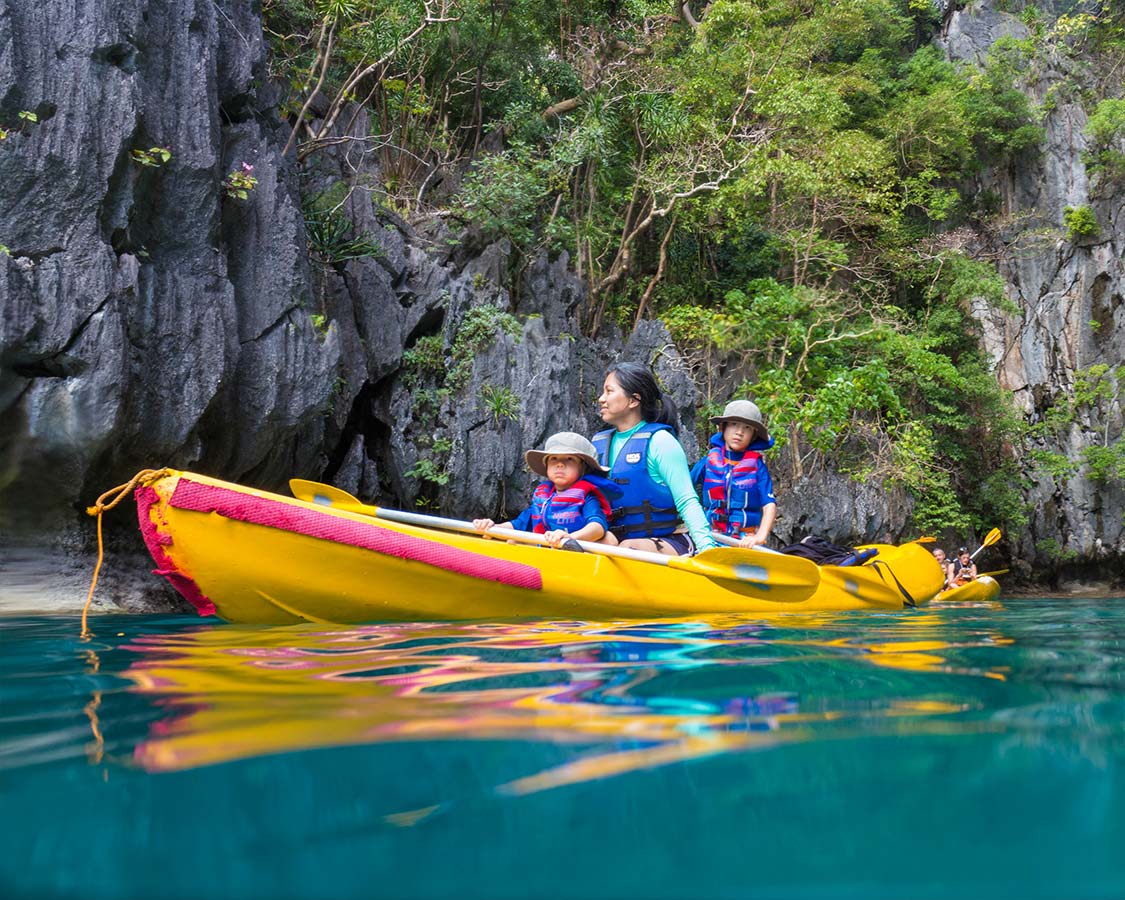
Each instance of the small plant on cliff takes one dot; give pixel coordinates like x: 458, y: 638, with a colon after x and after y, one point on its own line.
x: 425, y: 358
x: 428, y: 470
x: 152, y: 158
x: 332, y: 237
x: 239, y: 183
x: 1080, y: 222
x: 1096, y: 392
x: 432, y: 467
x: 25, y: 117
x: 501, y: 402
x: 476, y: 332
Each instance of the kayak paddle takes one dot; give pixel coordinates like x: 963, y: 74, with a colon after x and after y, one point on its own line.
x: 778, y: 576
x: 989, y: 539
x: 997, y: 572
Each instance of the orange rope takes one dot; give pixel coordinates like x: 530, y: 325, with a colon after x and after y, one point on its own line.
x: 146, y: 477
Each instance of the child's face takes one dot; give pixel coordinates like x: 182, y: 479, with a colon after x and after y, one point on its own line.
x: 563, y: 471
x: 737, y: 436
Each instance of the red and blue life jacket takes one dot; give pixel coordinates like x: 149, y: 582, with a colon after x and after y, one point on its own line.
x: 733, y: 490
x: 646, y: 509
x: 553, y: 510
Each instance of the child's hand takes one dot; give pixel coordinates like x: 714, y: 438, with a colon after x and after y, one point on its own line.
x: 483, y: 524
x: 750, y: 540
x: 554, y: 538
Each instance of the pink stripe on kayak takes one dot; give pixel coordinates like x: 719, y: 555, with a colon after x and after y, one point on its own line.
x: 156, y: 542
x: 196, y: 497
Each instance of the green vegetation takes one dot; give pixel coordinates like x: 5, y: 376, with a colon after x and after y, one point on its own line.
x: 501, y: 403
x: 425, y: 359
x: 1079, y: 222
x: 25, y: 118
x: 476, y: 332
x: 1105, y: 128
x: 320, y: 323
x: 434, y: 373
x: 152, y: 158
x: 240, y: 182
x: 1094, y: 398
x: 332, y: 236
x: 781, y: 181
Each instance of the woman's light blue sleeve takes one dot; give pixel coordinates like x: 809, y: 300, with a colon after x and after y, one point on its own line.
x: 667, y: 463
x: 697, y: 474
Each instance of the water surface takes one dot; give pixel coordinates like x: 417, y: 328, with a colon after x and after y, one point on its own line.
x: 954, y: 751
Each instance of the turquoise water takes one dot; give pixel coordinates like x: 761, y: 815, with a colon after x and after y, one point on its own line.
x: 949, y: 752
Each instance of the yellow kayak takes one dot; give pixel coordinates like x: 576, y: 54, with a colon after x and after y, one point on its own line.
x: 984, y: 587
x: 255, y: 557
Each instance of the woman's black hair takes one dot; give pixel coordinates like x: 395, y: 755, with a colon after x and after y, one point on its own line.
x: 636, y: 379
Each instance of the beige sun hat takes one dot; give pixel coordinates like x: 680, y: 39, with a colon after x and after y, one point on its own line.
x: 746, y: 412
x: 565, y: 443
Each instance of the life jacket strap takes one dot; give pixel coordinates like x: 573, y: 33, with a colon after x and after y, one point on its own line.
x: 652, y: 518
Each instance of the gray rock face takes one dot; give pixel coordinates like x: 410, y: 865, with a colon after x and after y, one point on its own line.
x: 1070, y: 291
x: 145, y: 312
x: 151, y: 318
x: 970, y: 29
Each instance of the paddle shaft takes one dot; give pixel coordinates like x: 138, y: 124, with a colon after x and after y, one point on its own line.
x: 784, y: 573
x: 727, y: 540
x: 510, y: 534
x: 989, y: 539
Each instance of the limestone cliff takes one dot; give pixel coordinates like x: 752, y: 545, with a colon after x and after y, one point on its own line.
x: 151, y: 316
x: 1068, y: 288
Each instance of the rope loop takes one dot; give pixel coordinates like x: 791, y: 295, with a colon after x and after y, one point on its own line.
x: 144, y: 477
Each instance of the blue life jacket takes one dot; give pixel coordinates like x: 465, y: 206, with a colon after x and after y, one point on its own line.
x: 731, y: 488
x: 645, y: 509
x: 553, y: 510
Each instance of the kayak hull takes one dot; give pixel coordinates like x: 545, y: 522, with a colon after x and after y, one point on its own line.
x: 979, y: 589
x: 254, y: 557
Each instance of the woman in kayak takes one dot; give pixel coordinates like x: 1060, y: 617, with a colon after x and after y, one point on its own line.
x: 645, y: 459
x: 574, y: 499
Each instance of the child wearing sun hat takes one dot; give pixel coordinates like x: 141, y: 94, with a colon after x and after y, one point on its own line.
x: 736, y: 486
x: 573, y: 502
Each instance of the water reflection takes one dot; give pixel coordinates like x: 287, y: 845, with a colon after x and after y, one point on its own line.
x: 791, y: 756
x: 630, y: 695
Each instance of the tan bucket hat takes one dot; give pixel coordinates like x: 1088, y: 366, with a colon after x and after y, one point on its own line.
x: 565, y: 443
x: 746, y: 412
